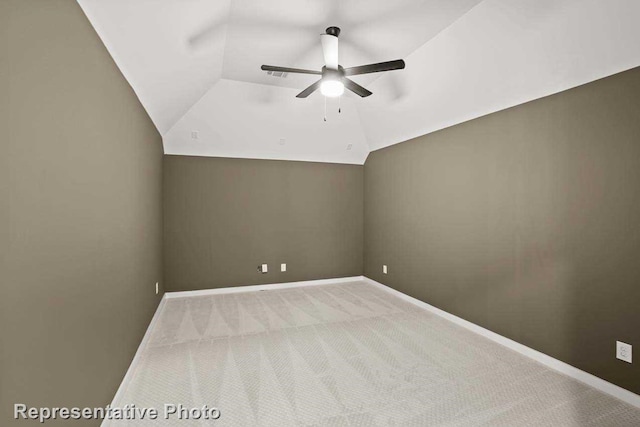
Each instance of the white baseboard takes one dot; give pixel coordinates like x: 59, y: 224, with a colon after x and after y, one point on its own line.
x: 136, y: 358
x: 252, y: 288
x: 550, y: 362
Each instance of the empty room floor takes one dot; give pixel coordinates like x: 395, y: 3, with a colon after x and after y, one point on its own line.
x: 346, y: 354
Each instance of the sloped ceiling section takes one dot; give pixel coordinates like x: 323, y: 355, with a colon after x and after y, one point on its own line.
x: 501, y: 54
x: 149, y: 41
x: 195, y: 65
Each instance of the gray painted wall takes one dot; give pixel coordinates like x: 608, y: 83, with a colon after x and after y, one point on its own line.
x: 80, y: 211
x: 526, y: 222
x: 224, y: 217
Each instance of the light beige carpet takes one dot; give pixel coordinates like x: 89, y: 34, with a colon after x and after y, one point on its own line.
x: 347, y: 354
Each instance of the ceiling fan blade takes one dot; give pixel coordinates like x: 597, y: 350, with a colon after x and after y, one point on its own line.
x: 288, y: 70
x: 330, y: 50
x: 398, y: 64
x: 356, y: 88
x: 308, y: 91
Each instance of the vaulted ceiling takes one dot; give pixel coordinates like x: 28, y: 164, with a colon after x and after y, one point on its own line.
x: 195, y: 65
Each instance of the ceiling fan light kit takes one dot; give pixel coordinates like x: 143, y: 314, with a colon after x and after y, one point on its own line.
x: 334, y: 77
x: 332, y: 88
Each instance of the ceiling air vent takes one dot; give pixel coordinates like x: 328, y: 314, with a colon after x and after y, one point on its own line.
x: 278, y: 74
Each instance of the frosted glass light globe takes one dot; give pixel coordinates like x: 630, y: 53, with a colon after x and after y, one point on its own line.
x: 332, y: 88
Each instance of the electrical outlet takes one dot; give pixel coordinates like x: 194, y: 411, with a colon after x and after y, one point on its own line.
x: 623, y: 351
x: 283, y: 267
x: 263, y: 268
x: 157, y: 288
x: 384, y: 269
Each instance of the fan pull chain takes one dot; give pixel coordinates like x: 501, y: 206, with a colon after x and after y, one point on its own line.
x: 325, y: 108
x: 340, y: 104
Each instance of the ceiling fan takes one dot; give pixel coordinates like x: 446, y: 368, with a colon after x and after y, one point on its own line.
x: 334, y: 76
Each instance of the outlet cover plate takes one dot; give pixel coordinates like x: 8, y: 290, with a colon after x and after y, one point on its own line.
x: 624, y: 351
x: 384, y: 269
x: 283, y: 267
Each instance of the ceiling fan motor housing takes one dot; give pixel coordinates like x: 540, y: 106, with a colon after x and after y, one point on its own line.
x: 329, y: 74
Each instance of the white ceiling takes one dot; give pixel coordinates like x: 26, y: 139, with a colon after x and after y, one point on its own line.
x: 195, y: 65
